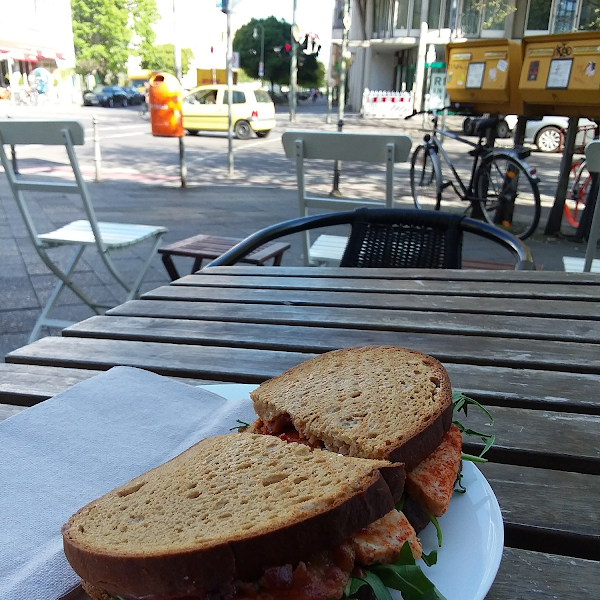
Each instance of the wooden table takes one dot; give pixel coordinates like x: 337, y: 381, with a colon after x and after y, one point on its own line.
x: 526, y: 344
x: 201, y: 247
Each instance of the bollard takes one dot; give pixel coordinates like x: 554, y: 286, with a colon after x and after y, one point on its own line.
x: 182, y: 165
x: 97, y: 155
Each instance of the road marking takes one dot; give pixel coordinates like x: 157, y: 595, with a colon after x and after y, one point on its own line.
x: 235, y: 150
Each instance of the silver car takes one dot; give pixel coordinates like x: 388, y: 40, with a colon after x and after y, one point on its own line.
x: 547, y: 133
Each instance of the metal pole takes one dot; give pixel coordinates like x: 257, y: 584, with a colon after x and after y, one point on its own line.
x: 556, y: 212
x: 293, y: 67
x: 261, y: 64
x: 341, y: 92
x: 229, y: 95
x: 178, y: 74
x: 97, y: 154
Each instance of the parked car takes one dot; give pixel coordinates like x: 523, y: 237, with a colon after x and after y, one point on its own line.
x: 134, y: 97
x: 205, y: 108
x: 545, y: 133
x: 105, y: 95
x: 547, y: 136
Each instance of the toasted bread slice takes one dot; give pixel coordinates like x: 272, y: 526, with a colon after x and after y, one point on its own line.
x: 224, y: 510
x: 379, y: 402
x: 431, y: 482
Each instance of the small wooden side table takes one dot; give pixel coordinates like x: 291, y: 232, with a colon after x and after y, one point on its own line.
x: 202, y: 246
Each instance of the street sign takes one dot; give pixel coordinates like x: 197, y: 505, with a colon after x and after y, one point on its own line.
x: 235, y: 60
x: 437, y: 91
x: 261, y: 69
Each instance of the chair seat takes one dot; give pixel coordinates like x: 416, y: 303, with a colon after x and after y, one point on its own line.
x: 327, y: 250
x: 114, y: 235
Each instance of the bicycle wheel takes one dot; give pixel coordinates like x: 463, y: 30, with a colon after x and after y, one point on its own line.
x: 576, y: 194
x: 508, y: 194
x: 426, y: 179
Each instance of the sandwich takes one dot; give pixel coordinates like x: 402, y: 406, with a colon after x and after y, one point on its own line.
x: 241, y: 516
x: 376, y: 402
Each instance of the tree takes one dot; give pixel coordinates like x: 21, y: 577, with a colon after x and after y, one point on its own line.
x: 162, y: 58
x: 277, y: 58
x: 106, y: 32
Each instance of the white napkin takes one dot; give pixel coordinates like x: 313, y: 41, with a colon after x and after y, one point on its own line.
x: 63, y: 453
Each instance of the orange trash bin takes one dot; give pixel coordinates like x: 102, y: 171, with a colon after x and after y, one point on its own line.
x: 165, y: 106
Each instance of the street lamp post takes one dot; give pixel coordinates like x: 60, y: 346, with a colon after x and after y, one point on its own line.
x: 261, y: 64
x: 341, y: 91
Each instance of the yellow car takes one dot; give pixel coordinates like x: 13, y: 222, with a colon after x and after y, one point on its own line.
x: 205, y: 108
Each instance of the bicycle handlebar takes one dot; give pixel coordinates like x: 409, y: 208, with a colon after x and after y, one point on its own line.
x: 454, y: 106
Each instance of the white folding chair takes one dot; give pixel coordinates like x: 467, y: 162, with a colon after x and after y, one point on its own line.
x: 82, y: 234
x: 364, y: 147
x: 592, y: 156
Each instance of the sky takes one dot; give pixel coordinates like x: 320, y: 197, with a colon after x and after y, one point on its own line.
x: 312, y: 16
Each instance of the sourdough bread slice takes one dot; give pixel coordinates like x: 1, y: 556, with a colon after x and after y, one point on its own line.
x: 224, y: 510
x: 380, y: 402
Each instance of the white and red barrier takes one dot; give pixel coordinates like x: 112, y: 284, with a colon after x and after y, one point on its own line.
x: 387, y: 105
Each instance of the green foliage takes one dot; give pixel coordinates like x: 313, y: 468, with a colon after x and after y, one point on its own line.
x: 162, y: 58
x: 277, y: 34
x: 103, y: 32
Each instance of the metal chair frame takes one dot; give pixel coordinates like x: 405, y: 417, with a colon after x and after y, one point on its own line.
x: 105, y: 237
x: 592, y: 155
x: 522, y: 254
x: 361, y: 147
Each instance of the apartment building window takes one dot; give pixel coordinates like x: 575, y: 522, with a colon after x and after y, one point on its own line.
x: 558, y: 16
x: 409, y: 11
x: 477, y: 17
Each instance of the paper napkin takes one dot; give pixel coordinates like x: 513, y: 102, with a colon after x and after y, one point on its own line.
x: 59, y: 455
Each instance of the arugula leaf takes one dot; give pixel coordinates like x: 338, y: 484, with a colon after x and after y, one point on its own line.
x: 430, y: 559
x: 462, y: 402
x: 353, y: 585
x: 403, y: 575
x: 377, y: 585
x: 437, y: 528
x: 400, y: 504
x: 470, y: 457
x: 461, y: 488
x: 240, y: 427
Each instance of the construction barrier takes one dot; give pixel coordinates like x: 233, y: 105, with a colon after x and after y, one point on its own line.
x: 386, y: 105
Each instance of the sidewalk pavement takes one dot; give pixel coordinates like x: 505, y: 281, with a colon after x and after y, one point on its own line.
x: 250, y: 202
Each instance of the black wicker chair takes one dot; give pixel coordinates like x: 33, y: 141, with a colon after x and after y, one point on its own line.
x: 391, y: 237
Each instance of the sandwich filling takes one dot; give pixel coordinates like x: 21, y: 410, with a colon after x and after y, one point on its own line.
x: 324, y: 575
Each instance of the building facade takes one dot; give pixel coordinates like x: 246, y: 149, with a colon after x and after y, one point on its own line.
x: 36, y: 33
x: 389, y: 39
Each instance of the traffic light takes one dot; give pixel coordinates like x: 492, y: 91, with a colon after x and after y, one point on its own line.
x: 288, y: 47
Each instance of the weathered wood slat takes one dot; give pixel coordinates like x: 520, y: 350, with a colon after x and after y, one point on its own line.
x: 522, y: 306
x: 406, y: 286
x: 402, y: 274
x: 568, y: 392
x: 369, y: 318
x: 545, y: 510
x: 522, y: 437
x: 527, y: 575
x: 8, y: 410
x: 26, y: 385
x: 240, y: 365
x: 495, y: 351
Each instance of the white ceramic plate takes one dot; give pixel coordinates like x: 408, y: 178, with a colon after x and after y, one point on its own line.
x: 472, y: 529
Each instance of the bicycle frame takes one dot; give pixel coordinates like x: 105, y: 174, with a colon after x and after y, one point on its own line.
x: 465, y: 193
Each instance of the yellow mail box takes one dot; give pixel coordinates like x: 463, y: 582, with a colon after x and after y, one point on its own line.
x: 485, y: 74
x: 561, y: 74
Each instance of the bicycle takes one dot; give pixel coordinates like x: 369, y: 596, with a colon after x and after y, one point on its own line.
x: 577, y: 191
x: 502, y: 185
